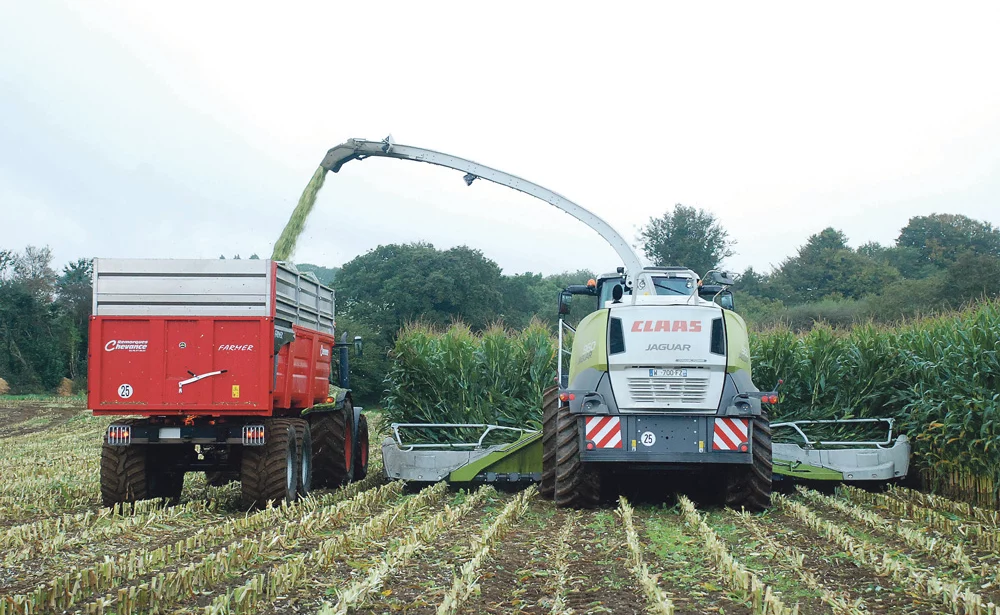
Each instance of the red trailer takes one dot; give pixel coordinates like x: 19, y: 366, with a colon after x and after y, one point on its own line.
x: 229, y: 362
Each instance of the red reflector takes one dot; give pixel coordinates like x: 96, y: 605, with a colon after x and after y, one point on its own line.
x: 329, y: 400
x: 743, y: 447
x: 566, y: 396
x: 773, y: 399
x: 590, y: 445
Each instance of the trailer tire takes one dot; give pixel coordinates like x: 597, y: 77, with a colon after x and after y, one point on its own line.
x: 333, y: 450
x: 270, y: 472
x: 304, y: 451
x: 361, y: 455
x: 750, y: 487
x: 550, y: 406
x: 577, y: 485
x: 123, y: 474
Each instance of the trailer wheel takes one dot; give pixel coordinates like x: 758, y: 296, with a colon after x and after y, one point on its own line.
x: 361, y: 455
x: 750, y: 487
x: 304, y: 449
x: 333, y: 446
x: 577, y: 485
x: 123, y: 474
x: 270, y: 472
x: 550, y: 405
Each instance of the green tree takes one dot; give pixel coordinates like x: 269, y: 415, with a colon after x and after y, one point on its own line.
x: 688, y: 237
x: 826, y: 267
x: 939, y: 239
x: 73, y: 305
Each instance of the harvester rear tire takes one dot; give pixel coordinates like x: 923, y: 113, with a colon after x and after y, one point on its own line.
x: 304, y: 451
x: 550, y: 406
x: 333, y: 447
x: 361, y: 455
x: 270, y: 472
x: 123, y: 474
x: 577, y: 485
x: 750, y: 487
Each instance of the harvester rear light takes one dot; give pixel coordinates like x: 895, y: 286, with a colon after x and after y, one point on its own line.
x: 119, y: 435
x: 771, y: 399
x: 253, y: 435
x: 566, y: 397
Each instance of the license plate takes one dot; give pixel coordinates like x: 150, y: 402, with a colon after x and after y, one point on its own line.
x: 668, y: 373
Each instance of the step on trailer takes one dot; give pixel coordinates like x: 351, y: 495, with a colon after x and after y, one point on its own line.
x: 229, y: 364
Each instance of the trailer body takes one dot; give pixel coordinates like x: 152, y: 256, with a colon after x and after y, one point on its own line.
x: 223, y: 354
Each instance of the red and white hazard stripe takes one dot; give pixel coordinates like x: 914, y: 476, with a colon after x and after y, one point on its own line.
x: 604, y: 431
x: 731, y: 434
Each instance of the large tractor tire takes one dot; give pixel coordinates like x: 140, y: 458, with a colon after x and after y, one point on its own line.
x: 123, y: 474
x: 577, y: 485
x: 270, y: 472
x: 550, y: 405
x: 750, y: 487
x: 333, y: 447
x: 361, y: 454
x: 304, y: 449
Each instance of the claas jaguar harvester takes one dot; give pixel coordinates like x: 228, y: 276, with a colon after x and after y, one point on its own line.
x: 230, y: 365
x: 658, y: 380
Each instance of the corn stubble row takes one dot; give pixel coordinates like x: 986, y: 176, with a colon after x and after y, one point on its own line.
x: 961, y: 600
x: 934, y: 546
x: 837, y: 601
x: 657, y: 600
x: 421, y: 537
x: 68, y: 590
x: 734, y: 573
x: 265, y: 587
x: 467, y: 578
x: 939, y: 378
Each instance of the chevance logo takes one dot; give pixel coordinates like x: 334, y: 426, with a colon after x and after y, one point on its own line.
x: 652, y: 326
x: 127, y: 345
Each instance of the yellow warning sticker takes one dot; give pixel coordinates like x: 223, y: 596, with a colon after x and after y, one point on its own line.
x: 236, y: 391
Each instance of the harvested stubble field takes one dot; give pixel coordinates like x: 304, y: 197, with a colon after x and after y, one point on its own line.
x: 375, y: 547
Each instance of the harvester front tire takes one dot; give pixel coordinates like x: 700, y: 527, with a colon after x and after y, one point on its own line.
x: 750, y: 487
x: 270, y: 472
x: 577, y: 485
x: 333, y: 447
x: 123, y: 474
x: 361, y: 455
x: 550, y: 406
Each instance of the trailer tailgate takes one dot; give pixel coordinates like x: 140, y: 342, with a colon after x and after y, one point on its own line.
x: 175, y: 365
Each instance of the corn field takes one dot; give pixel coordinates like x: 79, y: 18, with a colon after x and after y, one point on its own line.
x: 939, y: 378
x: 375, y: 547
x: 457, y: 376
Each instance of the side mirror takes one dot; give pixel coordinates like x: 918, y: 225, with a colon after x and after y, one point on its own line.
x: 358, y: 348
x: 565, y: 298
x: 722, y: 277
x: 725, y: 300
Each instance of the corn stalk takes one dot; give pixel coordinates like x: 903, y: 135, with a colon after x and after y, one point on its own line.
x: 560, y: 561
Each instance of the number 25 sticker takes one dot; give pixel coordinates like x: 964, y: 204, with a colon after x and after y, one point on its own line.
x: 125, y: 391
x: 647, y: 438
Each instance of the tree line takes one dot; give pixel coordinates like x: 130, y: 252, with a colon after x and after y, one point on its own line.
x: 937, y: 262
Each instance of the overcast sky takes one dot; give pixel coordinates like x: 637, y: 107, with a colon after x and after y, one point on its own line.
x: 188, y: 129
